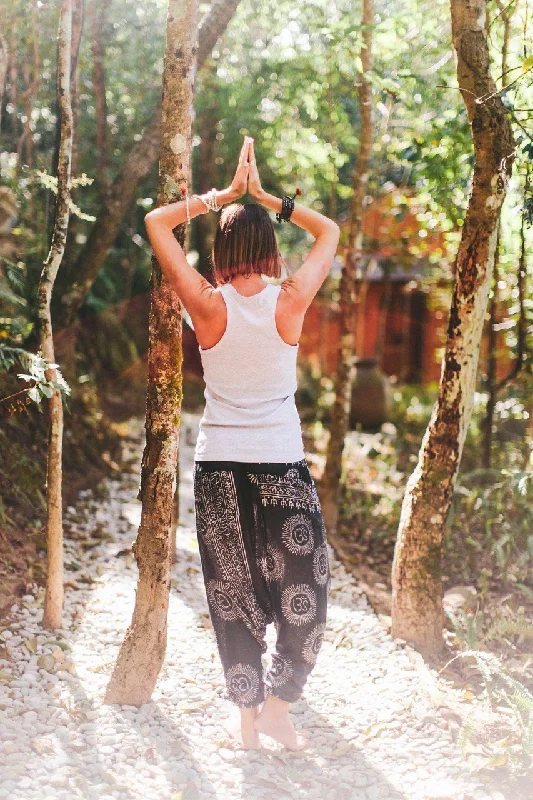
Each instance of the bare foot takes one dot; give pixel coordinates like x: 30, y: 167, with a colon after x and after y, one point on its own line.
x: 240, y: 727
x: 274, y: 721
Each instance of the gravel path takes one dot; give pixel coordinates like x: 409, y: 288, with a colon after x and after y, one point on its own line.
x: 373, y: 733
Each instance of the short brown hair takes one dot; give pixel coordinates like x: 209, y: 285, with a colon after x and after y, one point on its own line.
x: 245, y: 242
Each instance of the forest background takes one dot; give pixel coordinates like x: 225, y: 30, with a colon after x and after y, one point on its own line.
x: 286, y: 75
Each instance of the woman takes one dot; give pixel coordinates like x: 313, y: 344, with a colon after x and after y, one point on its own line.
x: 260, y: 530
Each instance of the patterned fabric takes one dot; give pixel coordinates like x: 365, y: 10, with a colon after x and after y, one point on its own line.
x: 262, y: 543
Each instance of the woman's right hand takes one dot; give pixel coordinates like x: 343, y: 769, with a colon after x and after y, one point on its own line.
x: 255, y: 189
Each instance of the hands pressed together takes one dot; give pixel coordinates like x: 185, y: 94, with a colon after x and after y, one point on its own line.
x: 246, y: 178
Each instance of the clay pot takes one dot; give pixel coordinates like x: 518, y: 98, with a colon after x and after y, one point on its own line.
x: 371, y: 395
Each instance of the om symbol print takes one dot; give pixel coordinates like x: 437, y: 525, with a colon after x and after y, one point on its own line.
x: 297, y: 535
x: 298, y: 603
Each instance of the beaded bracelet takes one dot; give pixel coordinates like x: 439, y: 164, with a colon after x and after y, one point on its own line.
x: 287, y: 206
x: 210, y: 204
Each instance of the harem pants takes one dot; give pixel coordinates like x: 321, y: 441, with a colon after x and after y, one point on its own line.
x: 264, y: 558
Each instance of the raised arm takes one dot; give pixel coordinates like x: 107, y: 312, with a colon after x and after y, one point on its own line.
x: 193, y: 289
x: 303, y: 284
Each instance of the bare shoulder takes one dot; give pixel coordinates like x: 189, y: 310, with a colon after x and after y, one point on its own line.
x: 209, y: 316
x: 298, y: 291
x: 208, y: 301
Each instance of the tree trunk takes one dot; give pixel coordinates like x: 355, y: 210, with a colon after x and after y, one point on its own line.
x: 137, y: 166
x: 330, y: 484
x: 206, y: 175
x: 53, y: 603
x: 13, y: 97
x: 31, y: 72
x: 175, y: 521
x: 4, y: 63
x: 78, y: 19
x: 144, y: 646
x: 97, y: 15
x: 213, y: 26
x: 417, y: 614
x: 492, y: 361
x: 506, y: 13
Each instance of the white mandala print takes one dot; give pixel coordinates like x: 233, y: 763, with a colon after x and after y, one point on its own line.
x: 272, y: 564
x: 298, y: 535
x: 242, y: 681
x: 219, y: 525
x: 288, y: 490
x: 292, y: 474
x: 280, y: 670
x: 298, y: 603
x: 222, y: 600
x: 321, y: 565
x: 313, y: 643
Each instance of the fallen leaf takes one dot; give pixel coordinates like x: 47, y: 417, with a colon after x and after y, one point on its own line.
x: 46, y: 662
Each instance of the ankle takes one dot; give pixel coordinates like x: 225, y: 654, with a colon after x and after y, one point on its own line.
x: 249, y: 714
x: 275, y: 705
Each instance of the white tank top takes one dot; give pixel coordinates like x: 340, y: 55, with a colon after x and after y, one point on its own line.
x: 250, y: 375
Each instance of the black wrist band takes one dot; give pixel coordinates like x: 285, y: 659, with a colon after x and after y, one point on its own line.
x: 287, y: 207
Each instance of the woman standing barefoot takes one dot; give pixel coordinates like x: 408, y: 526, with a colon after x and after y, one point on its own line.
x: 260, y: 530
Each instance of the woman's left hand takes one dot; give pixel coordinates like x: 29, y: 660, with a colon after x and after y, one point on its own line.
x: 239, y: 184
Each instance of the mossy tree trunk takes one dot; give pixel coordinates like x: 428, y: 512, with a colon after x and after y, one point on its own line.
x: 331, y: 480
x: 143, y: 650
x: 417, y: 614
x: 53, y: 603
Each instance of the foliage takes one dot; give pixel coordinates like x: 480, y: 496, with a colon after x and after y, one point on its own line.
x: 511, y: 743
x: 491, y: 522
x: 17, y: 320
x: 488, y: 535
x: 36, y: 366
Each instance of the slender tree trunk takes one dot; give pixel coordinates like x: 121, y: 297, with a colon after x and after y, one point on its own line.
x: 143, y: 650
x: 4, y: 63
x: 506, y: 13
x: 53, y: 603
x: 13, y: 97
x: 31, y: 72
x: 78, y: 19
x: 417, y: 615
x: 206, y: 174
x: 496, y: 386
x: 492, y: 360
x: 330, y: 484
x: 97, y: 13
x: 136, y: 167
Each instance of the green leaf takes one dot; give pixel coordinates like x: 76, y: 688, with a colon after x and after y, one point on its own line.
x: 527, y: 64
x: 34, y: 395
x: 47, y: 390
